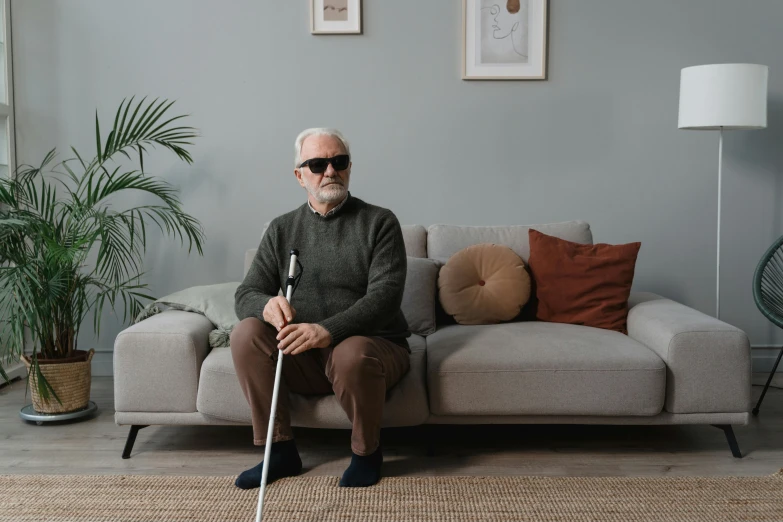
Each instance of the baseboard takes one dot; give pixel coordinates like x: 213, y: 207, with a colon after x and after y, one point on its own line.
x: 18, y: 370
x: 103, y: 364
x: 763, y: 358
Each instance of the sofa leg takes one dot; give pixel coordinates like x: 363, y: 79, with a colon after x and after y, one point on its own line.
x: 131, y: 439
x: 727, y: 429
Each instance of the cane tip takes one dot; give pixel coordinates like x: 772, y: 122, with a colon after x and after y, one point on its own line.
x: 294, y: 252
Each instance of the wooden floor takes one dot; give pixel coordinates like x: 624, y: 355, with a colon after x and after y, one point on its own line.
x: 94, y: 446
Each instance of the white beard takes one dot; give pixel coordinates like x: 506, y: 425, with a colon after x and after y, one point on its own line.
x: 329, y: 194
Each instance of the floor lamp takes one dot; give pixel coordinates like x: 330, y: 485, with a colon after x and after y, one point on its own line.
x: 722, y: 97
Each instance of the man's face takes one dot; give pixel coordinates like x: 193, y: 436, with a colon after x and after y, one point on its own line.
x: 332, y: 185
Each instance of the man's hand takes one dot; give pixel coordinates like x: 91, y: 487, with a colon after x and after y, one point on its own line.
x: 279, y: 312
x: 298, y: 338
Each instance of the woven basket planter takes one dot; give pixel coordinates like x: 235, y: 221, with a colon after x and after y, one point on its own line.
x: 70, y: 380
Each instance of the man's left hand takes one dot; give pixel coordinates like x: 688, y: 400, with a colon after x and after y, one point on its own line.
x: 298, y: 338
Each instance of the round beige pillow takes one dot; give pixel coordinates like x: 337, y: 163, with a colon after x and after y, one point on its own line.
x: 484, y: 284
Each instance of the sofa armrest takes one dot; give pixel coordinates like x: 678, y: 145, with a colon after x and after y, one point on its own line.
x: 708, y: 363
x: 158, y: 360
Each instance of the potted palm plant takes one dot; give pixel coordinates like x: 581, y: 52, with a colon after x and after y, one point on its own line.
x: 47, y: 283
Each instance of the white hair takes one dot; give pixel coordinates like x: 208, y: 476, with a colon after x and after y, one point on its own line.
x: 317, y: 131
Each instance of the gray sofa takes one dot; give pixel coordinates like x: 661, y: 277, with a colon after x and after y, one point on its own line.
x: 675, y: 366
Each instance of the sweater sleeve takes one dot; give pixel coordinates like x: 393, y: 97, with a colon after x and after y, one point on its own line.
x: 262, y: 280
x: 385, y: 285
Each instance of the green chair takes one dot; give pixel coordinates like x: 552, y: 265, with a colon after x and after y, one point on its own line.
x: 768, y: 294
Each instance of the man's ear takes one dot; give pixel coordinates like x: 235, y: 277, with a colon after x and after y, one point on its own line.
x: 298, y: 175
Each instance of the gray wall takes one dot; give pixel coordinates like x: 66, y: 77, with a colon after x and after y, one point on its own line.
x: 597, y: 141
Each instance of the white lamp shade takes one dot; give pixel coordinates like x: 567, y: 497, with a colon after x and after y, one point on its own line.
x: 731, y: 96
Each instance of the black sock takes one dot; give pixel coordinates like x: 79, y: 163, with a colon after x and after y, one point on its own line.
x: 364, y: 470
x: 284, y: 461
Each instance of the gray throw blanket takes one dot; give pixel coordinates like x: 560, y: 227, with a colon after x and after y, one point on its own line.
x: 215, y: 302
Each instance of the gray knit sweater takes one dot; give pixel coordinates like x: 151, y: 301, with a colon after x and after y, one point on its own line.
x: 354, y: 271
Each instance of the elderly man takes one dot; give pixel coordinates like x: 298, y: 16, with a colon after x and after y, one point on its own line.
x: 346, y: 333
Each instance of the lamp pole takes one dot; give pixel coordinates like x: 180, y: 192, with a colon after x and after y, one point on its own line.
x: 720, y: 181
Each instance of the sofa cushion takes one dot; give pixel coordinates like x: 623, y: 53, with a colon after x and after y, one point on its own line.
x: 419, y: 295
x: 582, y: 284
x: 414, y: 236
x: 415, y: 239
x: 536, y: 368
x: 484, y: 284
x: 443, y: 241
x: 219, y: 395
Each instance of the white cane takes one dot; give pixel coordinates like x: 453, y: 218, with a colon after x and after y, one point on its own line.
x: 278, y: 372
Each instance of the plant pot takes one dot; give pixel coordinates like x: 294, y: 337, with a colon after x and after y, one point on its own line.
x: 70, y: 377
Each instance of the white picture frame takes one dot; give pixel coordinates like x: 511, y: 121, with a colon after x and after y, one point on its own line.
x: 504, y: 39
x: 336, y: 16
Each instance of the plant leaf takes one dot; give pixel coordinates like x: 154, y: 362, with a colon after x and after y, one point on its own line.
x: 98, y: 136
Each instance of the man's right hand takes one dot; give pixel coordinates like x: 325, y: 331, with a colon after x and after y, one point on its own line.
x: 278, y: 312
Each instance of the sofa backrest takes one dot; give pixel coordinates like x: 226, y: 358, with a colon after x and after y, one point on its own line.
x: 414, y: 236
x: 445, y: 240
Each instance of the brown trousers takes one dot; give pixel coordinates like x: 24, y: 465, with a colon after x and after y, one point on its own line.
x: 359, y: 371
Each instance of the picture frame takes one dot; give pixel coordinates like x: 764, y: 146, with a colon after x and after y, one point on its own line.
x: 504, y: 39
x: 335, y: 16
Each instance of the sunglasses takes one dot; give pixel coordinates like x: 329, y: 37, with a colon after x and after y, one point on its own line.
x: 318, y: 165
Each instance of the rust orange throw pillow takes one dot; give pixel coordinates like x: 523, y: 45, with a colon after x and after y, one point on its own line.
x: 582, y: 284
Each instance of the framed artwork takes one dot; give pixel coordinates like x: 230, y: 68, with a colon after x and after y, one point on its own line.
x: 504, y: 39
x: 336, y: 16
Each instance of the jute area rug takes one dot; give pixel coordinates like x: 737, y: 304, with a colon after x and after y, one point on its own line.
x: 100, y: 498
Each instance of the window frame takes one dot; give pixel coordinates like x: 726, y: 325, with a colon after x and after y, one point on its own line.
x: 7, y: 109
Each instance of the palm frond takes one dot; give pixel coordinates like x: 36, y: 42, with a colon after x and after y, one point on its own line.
x: 53, y: 216
x: 131, y: 134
